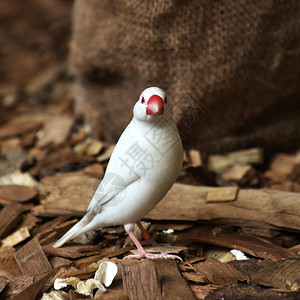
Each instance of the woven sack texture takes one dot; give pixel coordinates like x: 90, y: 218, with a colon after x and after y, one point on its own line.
x: 230, y: 67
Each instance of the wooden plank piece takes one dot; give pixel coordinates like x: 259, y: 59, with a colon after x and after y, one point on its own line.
x: 157, y: 279
x: 16, y: 193
x: 9, y: 217
x: 173, y: 286
x: 31, y: 259
x: 221, y: 194
x: 140, y: 280
x: 265, y: 207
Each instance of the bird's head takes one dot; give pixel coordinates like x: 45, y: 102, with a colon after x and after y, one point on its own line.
x: 152, y: 104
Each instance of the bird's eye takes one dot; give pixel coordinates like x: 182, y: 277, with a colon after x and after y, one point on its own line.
x: 166, y: 100
x: 143, y: 100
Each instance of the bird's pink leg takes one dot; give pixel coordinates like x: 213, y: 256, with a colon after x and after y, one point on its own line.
x: 145, y: 235
x: 143, y: 252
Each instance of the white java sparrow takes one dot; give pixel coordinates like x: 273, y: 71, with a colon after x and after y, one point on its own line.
x: 142, y: 168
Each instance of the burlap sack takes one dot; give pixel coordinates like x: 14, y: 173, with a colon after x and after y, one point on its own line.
x: 230, y: 67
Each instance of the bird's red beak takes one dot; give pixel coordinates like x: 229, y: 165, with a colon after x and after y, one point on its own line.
x: 155, y: 105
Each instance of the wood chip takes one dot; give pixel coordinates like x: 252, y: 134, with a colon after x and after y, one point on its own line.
x: 55, y: 295
x: 195, y: 158
x: 202, y: 291
x: 249, y: 267
x: 49, y: 226
x: 15, y: 238
x: 95, y: 170
x: 281, y: 166
x: 18, y: 178
x: 140, y: 280
x: 19, y: 128
x: 29, y: 221
x: 9, y: 217
x: 159, y: 279
x: 3, y: 282
x: 172, y: 284
x: 16, y: 193
x: 282, y: 274
x: 68, y: 193
x: 5, y: 167
x: 8, y: 263
x: 46, y: 77
x: 115, y: 291
x: 11, y: 144
x: 52, y: 233
x: 28, y: 139
x: 63, y: 158
x: 106, y: 154
x: 88, y: 147
x: 57, y: 261
x: 31, y: 259
x: 247, y: 291
x: 75, y: 251
x: 56, y: 130
x: 94, y: 148
x: 73, y: 295
x: 223, y: 255
x: 31, y: 290
x: 248, y: 244
x: 295, y: 174
x: 296, y: 249
x: 222, y: 194
x: 19, y: 159
x: 239, y: 173
x: 218, y: 163
x: 17, y: 285
x: 215, y: 272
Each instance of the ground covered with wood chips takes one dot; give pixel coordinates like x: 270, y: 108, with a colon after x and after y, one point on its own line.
x: 243, y: 200
x: 49, y: 169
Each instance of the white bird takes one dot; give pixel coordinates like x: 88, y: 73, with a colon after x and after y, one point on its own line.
x: 142, y: 168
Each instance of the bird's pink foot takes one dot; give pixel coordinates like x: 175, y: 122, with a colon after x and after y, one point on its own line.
x: 143, y: 252
x: 152, y: 256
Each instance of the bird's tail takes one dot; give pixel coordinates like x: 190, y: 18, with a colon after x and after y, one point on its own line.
x: 78, y: 229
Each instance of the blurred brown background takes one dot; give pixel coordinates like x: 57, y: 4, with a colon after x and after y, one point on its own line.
x: 231, y: 68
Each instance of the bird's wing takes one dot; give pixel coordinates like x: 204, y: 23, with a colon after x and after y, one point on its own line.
x: 112, y: 190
